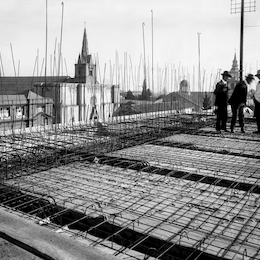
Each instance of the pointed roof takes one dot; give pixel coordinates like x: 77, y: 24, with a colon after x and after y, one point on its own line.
x: 234, y: 64
x: 84, y: 50
x: 31, y: 95
x: 35, y: 97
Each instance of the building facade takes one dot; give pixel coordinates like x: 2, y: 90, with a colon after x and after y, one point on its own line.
x: 58, y: 99
x: 27, y: 110
x: 82, y: 98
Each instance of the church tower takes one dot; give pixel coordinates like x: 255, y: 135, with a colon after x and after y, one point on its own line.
x: 234, y: 72
x: 85, y: 68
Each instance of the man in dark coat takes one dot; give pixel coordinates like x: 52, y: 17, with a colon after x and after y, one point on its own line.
x: 221, y: 98
x: 256, y: 99
x: 238, y: 102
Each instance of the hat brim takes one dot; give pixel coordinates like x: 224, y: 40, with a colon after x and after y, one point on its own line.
x: 227, y: 75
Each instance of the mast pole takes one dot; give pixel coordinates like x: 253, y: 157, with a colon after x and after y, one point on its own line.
x: 152, y: 54
x: 144, y: 54
x: 241, y: 40
x: 46, y: 41
x: 199, y: 73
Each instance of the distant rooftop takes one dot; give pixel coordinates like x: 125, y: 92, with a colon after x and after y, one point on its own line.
x: 16, y: 85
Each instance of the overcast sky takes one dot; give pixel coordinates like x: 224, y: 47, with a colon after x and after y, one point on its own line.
x: 115, y: 38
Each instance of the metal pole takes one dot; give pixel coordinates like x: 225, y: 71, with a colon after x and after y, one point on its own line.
x: 46, y: 45
x: 152, y: 54
x: 199, y: 61
x: 241, y: 40
x: 144, y: 53
x: 199, y: 80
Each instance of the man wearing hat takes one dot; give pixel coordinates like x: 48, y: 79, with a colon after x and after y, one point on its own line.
x: 238, y: 102
x: 221, y: 98
x: 256, y: 98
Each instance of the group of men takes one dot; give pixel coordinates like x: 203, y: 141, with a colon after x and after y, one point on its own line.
x: 237, y: 101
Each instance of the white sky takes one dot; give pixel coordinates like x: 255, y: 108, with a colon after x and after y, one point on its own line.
x: 114, y: 29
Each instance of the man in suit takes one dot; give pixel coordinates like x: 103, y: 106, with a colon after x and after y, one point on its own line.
x: 238, y: 102
x: 256, y: 98
x: 221, y: 98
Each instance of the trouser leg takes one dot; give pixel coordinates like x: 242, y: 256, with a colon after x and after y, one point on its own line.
x: 224, y: 118
x: 234, y: 117
x: 241, y: 117
x: 258, y: 122
x: 257, y: 115
x: 218, y: 119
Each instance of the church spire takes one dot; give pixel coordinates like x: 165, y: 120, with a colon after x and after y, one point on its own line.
x: 234, y: 65
x: 84, y: 50
x: 234, y: 70
x: 85, y: 67
x: 79, y: 59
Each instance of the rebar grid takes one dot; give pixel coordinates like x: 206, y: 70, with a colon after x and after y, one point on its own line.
x: 229, y: 167
x: 228, y: 144
x: 23, y: 153
x: 188, y: 195
x: 132, y: 205
x: 220, y: 220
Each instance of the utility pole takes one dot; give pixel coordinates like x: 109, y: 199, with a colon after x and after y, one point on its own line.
x: 242, y: 6
x: 241, y: 40
x: 152, y: 53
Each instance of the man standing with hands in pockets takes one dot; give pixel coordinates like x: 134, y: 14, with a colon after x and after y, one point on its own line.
x: 238, y: 102
x: 221, y: 102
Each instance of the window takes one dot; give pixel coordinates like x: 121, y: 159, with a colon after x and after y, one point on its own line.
x: 19, y: 112
x: 39, y: 109
x: 5, y: 113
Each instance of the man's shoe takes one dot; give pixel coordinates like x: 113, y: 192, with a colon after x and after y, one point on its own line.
x: 225, y: 130
x: 232, y: 130
x: 242, y: 131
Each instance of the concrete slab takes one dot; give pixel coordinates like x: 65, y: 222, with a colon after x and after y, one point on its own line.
x: 50, y: 244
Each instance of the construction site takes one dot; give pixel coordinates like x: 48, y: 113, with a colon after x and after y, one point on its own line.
x: 128, y: 168
x: 161, y: 186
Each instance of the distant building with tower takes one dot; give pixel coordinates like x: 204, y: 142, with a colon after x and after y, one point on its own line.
x: 185, y: 86
x: 85, y: 69
x: 234, y: 72
x: 78, y: 99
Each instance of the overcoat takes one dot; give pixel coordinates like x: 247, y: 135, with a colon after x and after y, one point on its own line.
x: 239, y: 95
x: 221, y: 94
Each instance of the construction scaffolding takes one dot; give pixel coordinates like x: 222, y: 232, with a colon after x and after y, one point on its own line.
x: 160, y: 187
